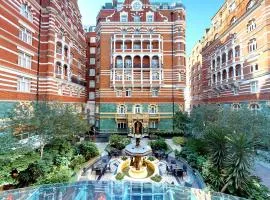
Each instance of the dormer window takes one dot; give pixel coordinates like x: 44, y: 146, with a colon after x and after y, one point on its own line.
x: 149, y: 17
x: 26, y: 12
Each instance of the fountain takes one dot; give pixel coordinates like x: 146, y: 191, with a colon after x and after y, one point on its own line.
x: 138, y: 167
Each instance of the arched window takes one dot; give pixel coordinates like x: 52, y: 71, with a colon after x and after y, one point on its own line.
x: 236, y: 107
x: 121, y: 109
x: 233, y: 20
x: 152, y: 109
x: 252, y: 45
x: 254, y: 107
x: 250, y: 4
x: 59, y: 47
x: 58, y: 69
x: 137, y: 109
x: 251, y: 25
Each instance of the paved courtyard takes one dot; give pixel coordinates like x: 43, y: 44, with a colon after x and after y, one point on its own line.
x: 262, y: 170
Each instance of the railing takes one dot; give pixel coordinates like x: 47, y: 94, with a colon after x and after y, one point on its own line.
x: 112, y: 190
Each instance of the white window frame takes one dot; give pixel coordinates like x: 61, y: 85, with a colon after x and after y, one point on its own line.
x: 119, y: 93
x: 24, y: 60
x: 153, y: 124
x: 26, y: 12
x: 137, y: 18
x: 128, y: 93
x: 149, y: 17
x: 25, y: 35
x: 24, y: 84
x: 254, y: 87
x: 122, y: 109
x: 137, y: 109
x: 124, y: 17
x: 92, y: 72
x: 92, y: 61
x: 251, y: 25
x: 153, y: 109
x: 93, y: 40
x: 92, y: 95
x: 92, y: 84
x: 92, y: 50
x: 155, y: 92
x: 121, y: 125
x: 252, y: 45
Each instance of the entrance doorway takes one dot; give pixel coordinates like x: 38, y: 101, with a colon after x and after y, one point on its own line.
x: 138, y: 127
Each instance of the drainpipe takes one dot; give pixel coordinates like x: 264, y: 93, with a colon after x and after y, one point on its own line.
x: 38, y: 65
x: 172, y: 38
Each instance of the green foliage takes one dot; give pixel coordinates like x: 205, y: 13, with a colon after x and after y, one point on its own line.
x: 197, y: 145
x: 119, y: 176
x: 30, y: 175
x: 58, y: 175
x: 124, y: 158
x: 179, y: 140
x: 88, y: 150
x: 159, y: 145
x: 156, y: 178
x: 181, y: 122
x: 255, y: 190
x: 77, y: 162
x: 118, y: 142
x: 46, y: 120
x: 151, y: 158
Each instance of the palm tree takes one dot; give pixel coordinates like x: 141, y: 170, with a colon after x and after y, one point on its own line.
x: 216, y: 140
x: 238, y: 162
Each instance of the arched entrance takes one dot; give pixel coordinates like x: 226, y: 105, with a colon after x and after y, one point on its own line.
x: 138, y: 127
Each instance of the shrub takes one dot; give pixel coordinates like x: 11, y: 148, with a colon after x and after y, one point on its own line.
x: 156, y: 178
x: 59, y: 175
x: 77, y: 162
x: 88, y: 150
x: 119, y: 176
x: 159, y: 144
x: 119, y: 142
x: 179, y: 140
x: 124, y: 158
x: 61, y: 161
x: 151, y: 158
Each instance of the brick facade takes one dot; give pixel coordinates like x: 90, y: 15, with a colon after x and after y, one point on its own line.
x: 234, y: 57
x: 140, y: 66
x: 42, y: 52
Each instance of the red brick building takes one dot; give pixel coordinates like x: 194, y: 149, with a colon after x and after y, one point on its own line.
x: 235, y: 57
x: 140, y: 65
x: 42, y: 52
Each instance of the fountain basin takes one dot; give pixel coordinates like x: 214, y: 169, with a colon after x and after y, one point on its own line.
x: 131, y: 173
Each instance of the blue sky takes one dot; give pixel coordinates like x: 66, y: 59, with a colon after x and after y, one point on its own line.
x: 199, y: 14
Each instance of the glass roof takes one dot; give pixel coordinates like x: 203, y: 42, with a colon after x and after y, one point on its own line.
x: 103, y: 190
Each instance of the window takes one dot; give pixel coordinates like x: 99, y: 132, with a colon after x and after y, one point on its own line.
x: 118, y: 93
x: 92, y: 50
x: 23, y: 84
x: 92, y: 84
x: 233, y: 20
x: 254, y: 68
x: 124, y: 18
x: 237, y: 51
x: 251, y: 25
x: 58, y: 69
x: 155, y: 92
x: 137, y: 18
x: 121, y: 109
x: 155, y: 76
x: 118, y: 77
x: 153, y: 124
x: 232, y: 6
x: 153, y: 109
x: 25, y: 35
x: 93, y: 40
x: 137, y: 46
x: 26, y: 12
x: 121, y: 125
x: 250, y: 4
x: 128, y: 93
x: 25, y: 60
x: 128, y: 77
x: 235, y: 91
x: 92, y: 72
x: 254, y: 107
x: 254, y: 87
x: 150, y: 18
x: 91, y: 95
x: 252, y: 45
x: 138, y: 109
x: 92, y: 61
x: 236, y: 107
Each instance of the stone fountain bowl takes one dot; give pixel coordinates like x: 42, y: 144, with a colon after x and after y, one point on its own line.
x: 141, y: 150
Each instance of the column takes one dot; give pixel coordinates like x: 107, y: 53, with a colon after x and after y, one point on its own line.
x: 132, y: 45
x: 132, y: 71
x: 242, y: 71
x: 141, y: 71
x: 123, y: 70
x: 123, y: 45
x: 151, y: 71
x: 234, y: 73
x: 216, y: 78
x: 113, y: 68
x: 220, y: 76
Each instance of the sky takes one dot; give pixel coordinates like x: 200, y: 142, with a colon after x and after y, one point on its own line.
x: 199, y: 15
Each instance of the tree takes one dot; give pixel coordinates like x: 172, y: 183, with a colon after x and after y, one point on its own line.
x: 181, y: 122
x: 88, y: 150
x: 216, y: 140
x: 47, y: 121
x: 201, y: 117
x: 238, y: 164
x: 118, y: 142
